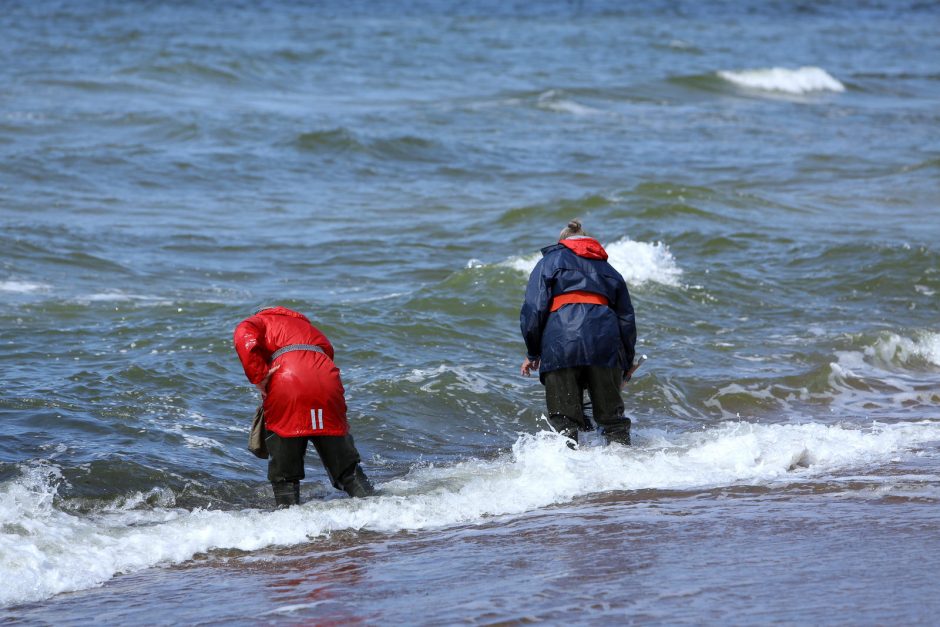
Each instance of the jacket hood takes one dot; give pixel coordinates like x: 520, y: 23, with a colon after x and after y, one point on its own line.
x: 586, y: 247
x: 280, y: 311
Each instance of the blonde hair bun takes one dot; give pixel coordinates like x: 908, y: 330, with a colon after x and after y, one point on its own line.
x: 573, y: 229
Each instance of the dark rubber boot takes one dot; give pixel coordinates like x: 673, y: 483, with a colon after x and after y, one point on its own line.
x: 618, y: 432
x: 286, y: 493
x: 356, y: 484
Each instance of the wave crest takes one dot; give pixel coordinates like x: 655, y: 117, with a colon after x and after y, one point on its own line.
x: 45, y: 550
x: 638, y: 262
x: 799, y: 81
x: 893, y: 348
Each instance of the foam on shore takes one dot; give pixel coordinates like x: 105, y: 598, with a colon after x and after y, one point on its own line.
x: 45, y: 550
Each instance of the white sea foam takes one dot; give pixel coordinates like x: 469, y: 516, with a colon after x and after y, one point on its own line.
x: 891, y: 351
x: 641, y: 262
x: 892, y: 347
x: 22, y: 287
x: 894, y: 375
x: 434, y: 379
x: 638, y: 262
x: 119, y: 297
x: 525, y: 263
x: 196, y: 441
x: 45, y: 550
x: 800, y: 81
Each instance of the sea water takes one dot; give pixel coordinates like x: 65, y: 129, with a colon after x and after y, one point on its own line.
x: 764, y: 178
x: 591, y: 438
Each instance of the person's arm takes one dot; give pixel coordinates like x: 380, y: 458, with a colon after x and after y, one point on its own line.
x: 532, y: 317
x: 251, y: 349
x: 626, y: 320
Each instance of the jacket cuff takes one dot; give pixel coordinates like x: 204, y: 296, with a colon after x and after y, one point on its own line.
x: 259, y: 377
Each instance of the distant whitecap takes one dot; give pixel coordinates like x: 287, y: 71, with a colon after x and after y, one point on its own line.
x: 638, y: 262
x: 22, y: 287
x: 799, y: 81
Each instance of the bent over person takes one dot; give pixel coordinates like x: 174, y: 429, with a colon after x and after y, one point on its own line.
x: 291, y: 363
x: 580, y: 334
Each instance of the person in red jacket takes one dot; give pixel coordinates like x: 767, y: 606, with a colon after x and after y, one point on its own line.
x: 291, y: 363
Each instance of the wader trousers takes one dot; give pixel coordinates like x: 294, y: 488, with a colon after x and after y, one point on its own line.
x: 564, y: 397
x: 338, y: 454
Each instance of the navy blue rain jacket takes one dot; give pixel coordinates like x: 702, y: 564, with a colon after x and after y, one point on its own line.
x: 578, y: 334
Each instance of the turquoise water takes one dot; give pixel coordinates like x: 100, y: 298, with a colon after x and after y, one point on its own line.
x: 765, y: 178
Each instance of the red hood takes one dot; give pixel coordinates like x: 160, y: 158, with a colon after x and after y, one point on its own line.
x: 282, y: 311
x: 586, y: 247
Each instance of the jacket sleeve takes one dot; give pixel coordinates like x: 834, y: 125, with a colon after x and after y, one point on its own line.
x: 535, y: 310
x: 627, y: 322
x: 251, y: 348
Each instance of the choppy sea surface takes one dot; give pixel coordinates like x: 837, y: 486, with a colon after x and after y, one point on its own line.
x: 766, y: 176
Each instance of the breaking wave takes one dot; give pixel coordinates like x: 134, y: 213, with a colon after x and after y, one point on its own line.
x: 638, y: 262
x: 893, y: 348
x: 799, y: 81
x: 885, y: 377
x: 45, y: 550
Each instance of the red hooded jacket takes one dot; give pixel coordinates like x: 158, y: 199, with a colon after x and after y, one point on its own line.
x: 305, y: 395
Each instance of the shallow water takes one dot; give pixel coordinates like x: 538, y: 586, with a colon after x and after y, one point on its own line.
x: 765, y: 179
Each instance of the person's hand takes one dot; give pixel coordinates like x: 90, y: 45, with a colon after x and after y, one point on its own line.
x: 529, y: 365
x: 628, y: 374
x: 262, y: 385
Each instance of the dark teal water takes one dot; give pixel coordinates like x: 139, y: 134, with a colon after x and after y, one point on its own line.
x: 765, y: 177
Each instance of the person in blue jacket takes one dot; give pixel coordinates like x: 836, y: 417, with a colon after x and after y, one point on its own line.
x: 580, y: 334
